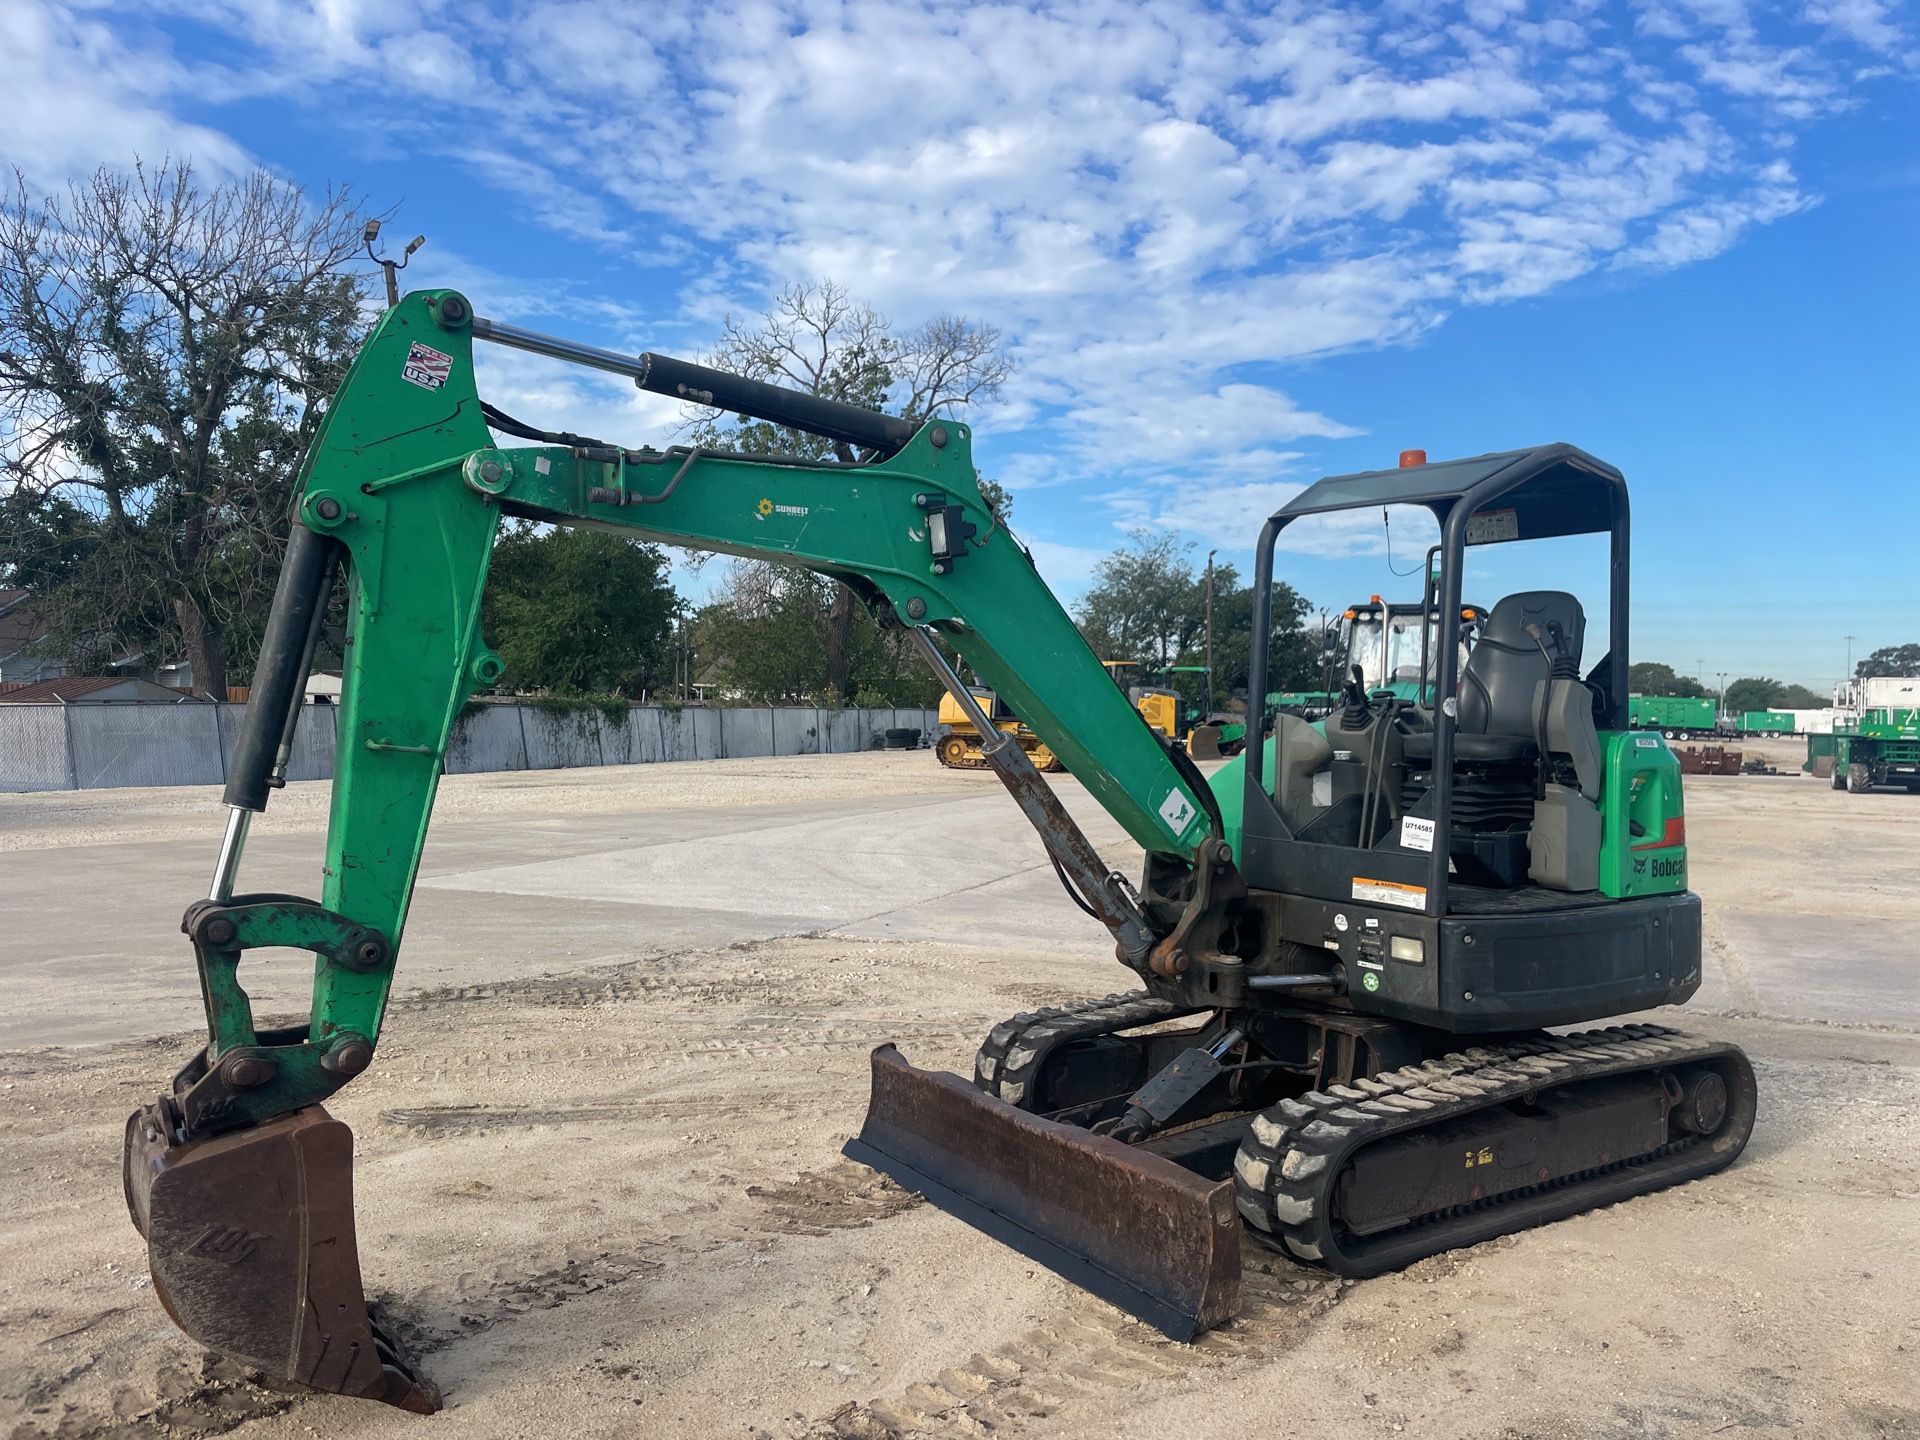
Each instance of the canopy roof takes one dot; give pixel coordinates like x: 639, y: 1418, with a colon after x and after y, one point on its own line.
x: 1551, y: 490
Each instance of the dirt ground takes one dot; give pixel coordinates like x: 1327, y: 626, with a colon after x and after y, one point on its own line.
x: 610, y: 1203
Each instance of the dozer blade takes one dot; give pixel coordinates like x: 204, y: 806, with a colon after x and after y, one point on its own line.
x: 250, y: 1240
x: 1138, y: 1231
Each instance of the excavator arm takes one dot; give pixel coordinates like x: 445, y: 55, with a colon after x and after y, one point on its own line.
x: 238, y: 1178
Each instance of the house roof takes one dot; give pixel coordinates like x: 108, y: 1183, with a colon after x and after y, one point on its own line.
x: 20, y: 622
x: 91, y: 689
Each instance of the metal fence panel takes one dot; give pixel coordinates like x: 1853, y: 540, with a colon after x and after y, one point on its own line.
x: 683, y: 734
x: 33, y: 748
x: 51, y: 747
x: 845, y: 732
x: 746, y: 733
x: 708, y: 735
x: 493, y: 739
x: 122, y: 745
x: 617, y: 745
x: 796, y: 730
x: 562, y: 740
x: 313, y: 737
x: 641, y: 741
x: 313, y: 743
x: 676, y: 731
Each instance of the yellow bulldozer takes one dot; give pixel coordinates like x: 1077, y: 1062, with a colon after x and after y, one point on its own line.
x: 1159, y: 705
x: 958, y: 745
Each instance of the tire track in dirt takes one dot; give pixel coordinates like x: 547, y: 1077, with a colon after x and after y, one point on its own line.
x: 1085, y: 1361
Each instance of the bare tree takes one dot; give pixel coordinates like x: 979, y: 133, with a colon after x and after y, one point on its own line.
x: 817, y: 338
x: 166, y: 352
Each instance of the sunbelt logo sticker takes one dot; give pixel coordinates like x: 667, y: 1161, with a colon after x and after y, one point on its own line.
x: 1177, y: 810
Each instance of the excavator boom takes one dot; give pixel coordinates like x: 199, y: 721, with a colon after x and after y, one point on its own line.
x: 237, y: 1176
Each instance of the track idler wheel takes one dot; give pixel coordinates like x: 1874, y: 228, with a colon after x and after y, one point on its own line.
x: 250, y: 1240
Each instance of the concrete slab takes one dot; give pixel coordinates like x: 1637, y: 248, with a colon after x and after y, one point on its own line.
x: 90, y: 947
x: 1846, y: 970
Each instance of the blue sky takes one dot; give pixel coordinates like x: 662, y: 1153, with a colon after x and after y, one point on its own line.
x: 1232, y: 248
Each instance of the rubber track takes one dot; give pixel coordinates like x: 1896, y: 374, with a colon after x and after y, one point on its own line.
x: 970, y: 763
x: 1288, y: 1166
x: 1016, y: 1049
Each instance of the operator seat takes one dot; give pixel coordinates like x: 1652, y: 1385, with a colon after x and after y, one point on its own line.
x: 1520, y: 693
x: 1498, y: 720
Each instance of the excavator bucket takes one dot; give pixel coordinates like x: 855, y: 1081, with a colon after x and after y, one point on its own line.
x: 1139, y: 1231
x: 250, y: 1240
x: 1204, y: 742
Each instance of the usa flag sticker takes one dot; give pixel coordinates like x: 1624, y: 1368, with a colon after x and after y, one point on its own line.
x: 426, y: 367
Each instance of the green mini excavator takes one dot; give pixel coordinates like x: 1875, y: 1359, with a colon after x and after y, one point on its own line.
x: 1348, y: 945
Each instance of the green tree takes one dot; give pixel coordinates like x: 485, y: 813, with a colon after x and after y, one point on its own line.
x: 1650, y: 677
x: 579, y: 612
x: 1141, y: 605
x: 167, y: 350
x: 818, y: 339
x: 999, y: 499
x: 1899, y: 660
x: 767, y: 637
x: 1799, y: 697
x: 1752, y: 694
x: 1148, y: 603
x: 1293, y: 648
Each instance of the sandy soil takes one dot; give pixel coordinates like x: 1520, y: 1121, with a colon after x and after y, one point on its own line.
x: 611, y: 1204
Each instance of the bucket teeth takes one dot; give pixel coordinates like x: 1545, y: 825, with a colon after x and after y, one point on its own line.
x: 251, y: 1243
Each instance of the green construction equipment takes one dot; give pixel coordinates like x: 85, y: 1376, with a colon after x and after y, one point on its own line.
x: 1881, y: 746
x: 1678, y: 717
x: 1392, y: 644
x: 1354, y: 949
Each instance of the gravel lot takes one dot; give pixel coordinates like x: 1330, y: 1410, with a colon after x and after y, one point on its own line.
x: 603, y: 1196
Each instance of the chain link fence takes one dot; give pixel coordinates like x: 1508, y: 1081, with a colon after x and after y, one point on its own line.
x: 89, y: 747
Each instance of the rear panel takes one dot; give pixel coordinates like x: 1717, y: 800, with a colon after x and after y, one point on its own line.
x: 1518, y: 967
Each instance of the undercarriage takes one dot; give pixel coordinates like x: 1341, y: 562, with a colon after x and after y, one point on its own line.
x: 1344, y: 1141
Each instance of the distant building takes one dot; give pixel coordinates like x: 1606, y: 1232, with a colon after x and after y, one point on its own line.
x: 21, y: 628
x: 95, y: 690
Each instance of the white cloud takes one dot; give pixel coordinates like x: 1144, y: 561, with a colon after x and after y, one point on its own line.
x: 1866, y: 22
x: 1158, y: 203
x: 1175, y: 427
x: 78, y: 96
x: 1065, y: 567
x: 1227, y: 513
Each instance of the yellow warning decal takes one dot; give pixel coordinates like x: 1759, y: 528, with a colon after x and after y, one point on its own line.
x: 1390, y: 892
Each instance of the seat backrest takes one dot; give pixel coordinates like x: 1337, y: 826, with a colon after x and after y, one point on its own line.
x: 1299, y: 753
x: 1498, y: 686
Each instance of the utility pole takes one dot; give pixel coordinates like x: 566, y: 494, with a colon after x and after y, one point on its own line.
x: 392, y: 267
x: 1721, y: 704
x: 1210, y: 555
x: 1848, y: 673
